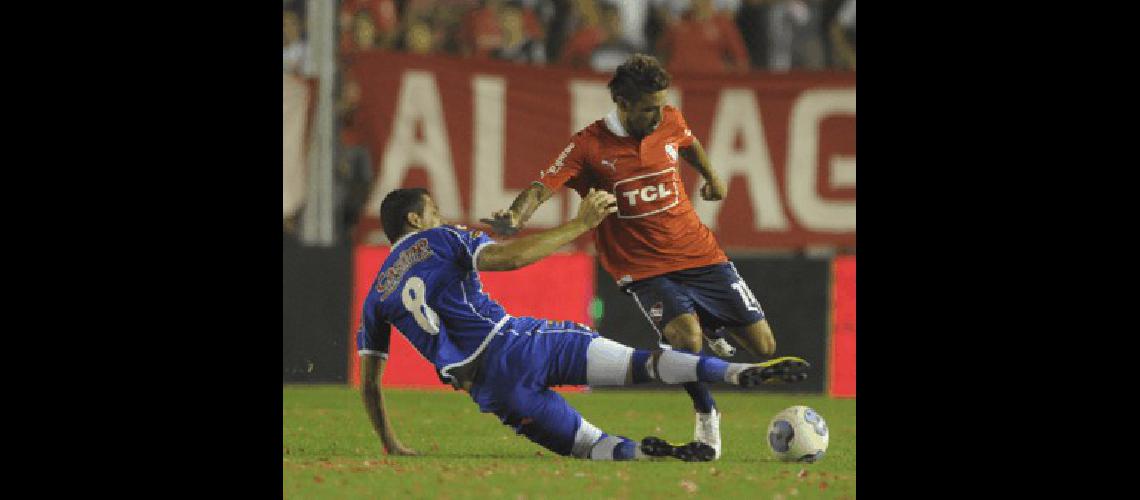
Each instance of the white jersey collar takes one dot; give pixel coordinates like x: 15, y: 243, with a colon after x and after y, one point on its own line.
x: 614, y: 124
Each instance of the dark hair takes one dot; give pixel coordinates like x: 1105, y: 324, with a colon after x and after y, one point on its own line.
x: 639, y: 75
x: 395, y: 208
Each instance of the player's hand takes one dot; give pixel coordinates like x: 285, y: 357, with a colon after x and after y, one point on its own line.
x: 503, y: 223
x: 399, y: 449
x: 713, y: 190
x: 596, y: 206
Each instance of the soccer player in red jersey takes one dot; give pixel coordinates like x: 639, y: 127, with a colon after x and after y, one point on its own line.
x: 655, y: 246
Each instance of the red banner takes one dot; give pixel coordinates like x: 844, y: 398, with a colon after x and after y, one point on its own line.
x: 476, y: 133
x: 842, y: 381
x: 529, y: 291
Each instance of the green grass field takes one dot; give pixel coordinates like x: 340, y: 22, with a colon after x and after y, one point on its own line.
x: 330, y: 451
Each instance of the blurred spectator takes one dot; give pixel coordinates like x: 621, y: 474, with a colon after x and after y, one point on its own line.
x: 294, y: 51
x: 599, y: 44
x: 703, y: 41
x: 752, y: 20
x: 481, y: 32
x: 795, y: 35
x: 354, y: 164
x: 419, y: 38
x: 518, y: 45
x: 383, y: 14
x: 365, y: 35
x: 634, y: 15
x: 842, y: 31
x: 585, y: 36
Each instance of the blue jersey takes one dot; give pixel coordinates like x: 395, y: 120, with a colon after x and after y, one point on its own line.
x: 429, y: 289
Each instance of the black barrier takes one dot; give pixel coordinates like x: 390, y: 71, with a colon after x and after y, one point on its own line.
x: 792, y: 291
x: 316, y: 288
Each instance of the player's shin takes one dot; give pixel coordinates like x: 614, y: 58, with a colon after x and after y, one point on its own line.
x: 591, y: 443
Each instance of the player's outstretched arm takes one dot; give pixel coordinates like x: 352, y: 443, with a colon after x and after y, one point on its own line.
x: 508, y: 222
x: 596, y: 206
x: 371, y: 368
x: 713, y: 189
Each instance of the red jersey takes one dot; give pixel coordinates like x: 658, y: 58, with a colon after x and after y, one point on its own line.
x: 655, y: 230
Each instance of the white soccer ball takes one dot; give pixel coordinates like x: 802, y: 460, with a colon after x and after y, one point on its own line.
x: 798, y: 434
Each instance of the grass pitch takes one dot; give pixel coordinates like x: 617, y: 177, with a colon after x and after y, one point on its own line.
x: 330, y: 451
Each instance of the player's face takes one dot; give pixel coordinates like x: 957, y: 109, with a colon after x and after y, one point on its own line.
x: 642, y: 116
x: 430, y: 215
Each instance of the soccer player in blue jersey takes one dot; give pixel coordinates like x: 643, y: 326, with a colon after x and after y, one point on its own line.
x: 429, y: 289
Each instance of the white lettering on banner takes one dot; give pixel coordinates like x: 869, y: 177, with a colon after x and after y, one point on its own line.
x: 487, y: 191
x: 807, y: 113
x: 418, y: 102
x: 738, y: 114
x: 842, y: 169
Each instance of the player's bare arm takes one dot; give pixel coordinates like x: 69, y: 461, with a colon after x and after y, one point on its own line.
x: 596, y: 206
x: 713, y: 189
x: 508, y: 222
x: 371, y: 368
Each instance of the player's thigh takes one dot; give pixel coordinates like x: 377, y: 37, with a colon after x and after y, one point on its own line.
x: 662, y: 301
x: 756, y: 337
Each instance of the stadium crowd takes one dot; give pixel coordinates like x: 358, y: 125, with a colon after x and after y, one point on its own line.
x: 717, y: 35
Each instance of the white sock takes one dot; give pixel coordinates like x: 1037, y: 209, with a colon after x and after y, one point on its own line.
x: 677, y: 367
x: 604, y: 448
x: 732, y: 374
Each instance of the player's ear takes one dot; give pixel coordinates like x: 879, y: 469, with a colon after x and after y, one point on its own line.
x: 413, y: 219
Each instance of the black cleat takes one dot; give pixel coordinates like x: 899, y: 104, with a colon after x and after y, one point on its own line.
x: 787, y: 369
x: 695, y: 451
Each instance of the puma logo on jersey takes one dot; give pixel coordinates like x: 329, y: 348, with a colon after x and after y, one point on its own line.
x: 610, y: 163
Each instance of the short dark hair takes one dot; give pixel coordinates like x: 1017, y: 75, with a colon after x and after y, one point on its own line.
x: 640, y: 74
x: 395, y: 208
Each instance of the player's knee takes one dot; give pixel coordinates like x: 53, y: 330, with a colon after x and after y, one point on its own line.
x: 768, y: 348
x: 685, y: 339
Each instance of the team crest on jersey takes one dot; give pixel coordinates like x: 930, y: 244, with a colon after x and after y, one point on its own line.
x: 476, y: 233
x: 656, y: 312
x: 671, y: 150
x: 412, y: 255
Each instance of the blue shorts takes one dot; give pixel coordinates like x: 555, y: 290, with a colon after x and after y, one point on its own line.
x: 518, y: 371
x: 716, y: 293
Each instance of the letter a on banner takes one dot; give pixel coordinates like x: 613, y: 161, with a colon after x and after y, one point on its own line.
x: 737, y: 113
x: 419, y: 103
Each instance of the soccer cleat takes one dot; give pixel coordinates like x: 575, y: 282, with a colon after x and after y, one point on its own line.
x: 721, y: 347
x: 695, y: 451
x: 707, y: 430
x: 786, y: 369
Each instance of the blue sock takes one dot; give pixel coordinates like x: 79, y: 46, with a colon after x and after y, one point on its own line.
x: 627, y: 450
x: 711, y: 369
x: 702, y: 398
x: 640, y: 374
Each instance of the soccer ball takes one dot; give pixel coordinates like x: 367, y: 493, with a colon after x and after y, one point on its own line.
x: 798, y: 434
